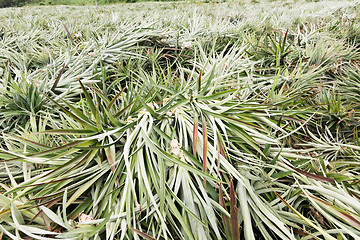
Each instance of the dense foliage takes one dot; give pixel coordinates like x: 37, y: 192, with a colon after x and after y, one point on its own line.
x: 11, y: 3
x: 180, y: 121
x: 19, y: 3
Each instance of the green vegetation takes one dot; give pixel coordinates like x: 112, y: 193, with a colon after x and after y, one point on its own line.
x: 20, y: 3
x: 180, y: 121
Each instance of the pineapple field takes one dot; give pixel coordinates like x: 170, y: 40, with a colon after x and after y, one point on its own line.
x: 181, y: 120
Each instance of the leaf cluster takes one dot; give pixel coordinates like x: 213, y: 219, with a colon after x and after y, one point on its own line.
x: 192, y: 124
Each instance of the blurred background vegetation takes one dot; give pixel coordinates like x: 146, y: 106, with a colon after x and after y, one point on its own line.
x: 20, y: 3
